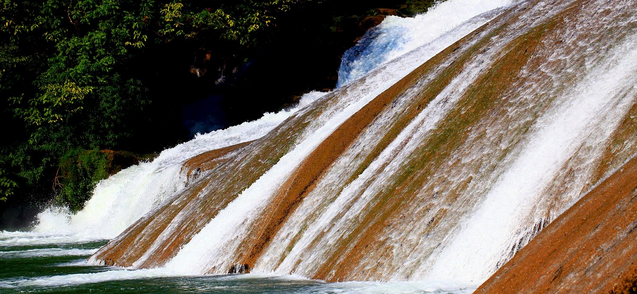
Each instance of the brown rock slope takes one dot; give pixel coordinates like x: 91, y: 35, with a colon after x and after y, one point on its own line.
x: 590, y: 248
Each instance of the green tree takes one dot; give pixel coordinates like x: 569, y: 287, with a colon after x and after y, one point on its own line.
x: 79, y: 170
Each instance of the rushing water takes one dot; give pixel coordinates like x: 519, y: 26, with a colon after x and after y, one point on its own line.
x: 481, y: 197
x: 396, y: 36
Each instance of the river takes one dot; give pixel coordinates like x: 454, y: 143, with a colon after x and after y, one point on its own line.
x: 44, y: 263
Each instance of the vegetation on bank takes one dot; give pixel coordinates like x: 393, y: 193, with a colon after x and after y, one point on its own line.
x: 79, y: 77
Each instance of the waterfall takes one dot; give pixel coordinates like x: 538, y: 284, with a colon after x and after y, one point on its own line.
x: 123, y: 198
x: 582, y: 116
x: 450, y: 142
x: 396, y: 36
x: 217, y: 240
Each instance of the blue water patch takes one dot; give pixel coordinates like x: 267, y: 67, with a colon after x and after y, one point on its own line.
x: 372, y: 50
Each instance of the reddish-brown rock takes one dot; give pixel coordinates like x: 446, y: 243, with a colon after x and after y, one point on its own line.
x: 590, y: 248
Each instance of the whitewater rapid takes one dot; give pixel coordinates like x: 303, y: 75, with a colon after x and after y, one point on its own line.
x: 397, y: 36
x: 123, y: 198
x: 216, y: 243
x: 587, y: 113
x: 566, y: 122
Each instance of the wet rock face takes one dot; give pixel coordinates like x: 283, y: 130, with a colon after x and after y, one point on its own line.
x: 590, y: 248
x: 239, y: 269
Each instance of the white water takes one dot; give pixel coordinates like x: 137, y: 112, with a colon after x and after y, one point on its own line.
x: 396, y: 36
x: 46, y: 252
x: 580, y: 122
x: 34, y: 238
x: 319, y: 287
x: 338, y: 214
x: 557, y: 139
x: 24, y: 245
x: 586, y: 115
x: 123, y: 198
x: 214, y: 246
x: 79, y: 279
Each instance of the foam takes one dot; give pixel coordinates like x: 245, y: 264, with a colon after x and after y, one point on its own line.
x: 123, y: 198
x: 396, y: 36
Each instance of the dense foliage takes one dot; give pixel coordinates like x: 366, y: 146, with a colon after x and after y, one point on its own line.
x: 78, y: 172
x: 81, y: 76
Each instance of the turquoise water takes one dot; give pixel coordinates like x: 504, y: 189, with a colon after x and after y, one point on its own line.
x: 39, y: 263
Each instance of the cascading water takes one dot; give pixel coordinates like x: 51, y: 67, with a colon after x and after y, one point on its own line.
x: 439, y: 156
x: 117, y: 201
x: 122, y: 199
x: 217, y: 240
x: 335, y: 212
x: 582, y: 118
x: 396, y: 36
